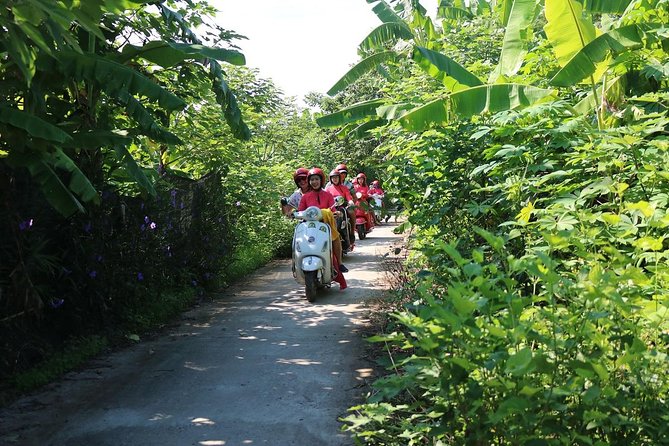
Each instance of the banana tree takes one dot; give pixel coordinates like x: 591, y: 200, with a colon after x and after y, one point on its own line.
x: 463, y: 94
x: 75, y: 91
x: 581, y: 50
x: 602, y: 60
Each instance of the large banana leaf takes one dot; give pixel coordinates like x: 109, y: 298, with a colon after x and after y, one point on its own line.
x: 114, y: 78
x: 584, y: 63
x: 384, y: 12
x: 168, y: 54
x: 362, y: 130
x: 147, y: 124
x: 384, y: 34
x: 41, y: 166
x: 133, y: 170
x: 353, y: 113
x: 362, y: 67
x: 606, y: 6
x: 588, y: 103
x: 453, y: 75
x: 224, y: 96
x: 20, y: 53
x: 505, y: 7
x: 453, y: 13
x: 96, y: 139
x: 119, y: 141
x: 567, y: 31
x: 394, y: 111
x: 422, y: 117
x: 33, y: 125
x: 55, y: 192
x: 514, y: 46
x: 228, y: 102
x: 79, y: 183
x: 495, y: 98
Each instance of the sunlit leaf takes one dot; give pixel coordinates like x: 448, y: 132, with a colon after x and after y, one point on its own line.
x: 351, y: 114
x: 366, y: 65
x: 566, y: 29
x: 584, y: 62
x: 453, y: 75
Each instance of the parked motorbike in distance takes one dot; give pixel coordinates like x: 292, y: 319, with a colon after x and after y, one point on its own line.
x: 312, y: 252
x: 343, y: 224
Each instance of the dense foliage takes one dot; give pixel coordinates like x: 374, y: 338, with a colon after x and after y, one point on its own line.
x: 539, y: 215
x: 130, y: 183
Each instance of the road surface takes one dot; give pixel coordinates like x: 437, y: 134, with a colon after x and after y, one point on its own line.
x: 257, y: 366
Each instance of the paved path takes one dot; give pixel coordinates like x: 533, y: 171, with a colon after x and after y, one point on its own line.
x: 259, y: 366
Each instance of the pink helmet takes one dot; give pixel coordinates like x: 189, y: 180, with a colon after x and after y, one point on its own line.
x: 300, y: 172
x: 317, y: 171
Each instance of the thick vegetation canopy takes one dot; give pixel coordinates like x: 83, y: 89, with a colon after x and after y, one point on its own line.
x: 528, y: 141
x: 130, y: 184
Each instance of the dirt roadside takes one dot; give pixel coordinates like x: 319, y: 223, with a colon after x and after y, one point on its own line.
x: 258, y: 366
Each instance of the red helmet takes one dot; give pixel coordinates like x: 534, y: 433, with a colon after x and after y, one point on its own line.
x: 301, y: 172
x: 342, y: 169
x: 316, y: 171
x: 361, y: 175
x: 335, y: 173
x: 376, y: 183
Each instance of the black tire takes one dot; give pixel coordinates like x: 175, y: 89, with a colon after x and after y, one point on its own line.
x: 362, y: 233
x: 310, y: 284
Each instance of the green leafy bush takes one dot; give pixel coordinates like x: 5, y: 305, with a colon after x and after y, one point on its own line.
x: 540, y: 314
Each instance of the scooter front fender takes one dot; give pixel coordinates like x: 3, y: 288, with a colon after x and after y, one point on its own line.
x: 312, y: 263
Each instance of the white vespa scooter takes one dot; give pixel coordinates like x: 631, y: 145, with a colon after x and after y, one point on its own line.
x: 312, y: 252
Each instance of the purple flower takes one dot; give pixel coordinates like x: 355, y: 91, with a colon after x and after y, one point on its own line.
x: 141, y: 205
x: 152, y: 225
x: 181, y: 205
x: 87, y: 227
x: 93, y: 274
x: 146, y: 219
x: 55, y: 303
x: 25, y: 224
x: 143, y: 227
x: 140, y: 276
x: 239, y: 203
x: 173, y: 193
x: 98, y: 258
x: 194, y: 282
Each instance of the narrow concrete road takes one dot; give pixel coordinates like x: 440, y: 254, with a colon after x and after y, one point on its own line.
x: 258, y: 366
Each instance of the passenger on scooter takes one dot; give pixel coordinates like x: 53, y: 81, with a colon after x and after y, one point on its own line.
x: 337, y: 189
x: 302, y: 183
x: 343, y: 172
x: 316, y: 196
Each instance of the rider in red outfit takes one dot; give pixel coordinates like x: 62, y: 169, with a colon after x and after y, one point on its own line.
x: 360, y: 185
x: 323, y: 200
x: 316, y: 195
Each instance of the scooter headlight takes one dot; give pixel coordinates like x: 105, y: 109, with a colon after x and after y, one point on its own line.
x: 312, y: 213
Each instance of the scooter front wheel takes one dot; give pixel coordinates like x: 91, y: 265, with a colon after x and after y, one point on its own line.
x: 310, y: 284
x: 362, y: 233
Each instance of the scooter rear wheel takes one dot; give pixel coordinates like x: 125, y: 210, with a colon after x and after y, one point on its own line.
x: 310, y: 284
